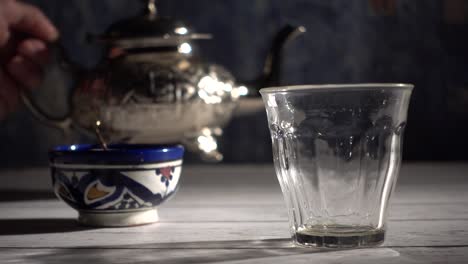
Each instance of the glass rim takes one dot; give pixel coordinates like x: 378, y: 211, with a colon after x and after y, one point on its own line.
x: 363, y: 86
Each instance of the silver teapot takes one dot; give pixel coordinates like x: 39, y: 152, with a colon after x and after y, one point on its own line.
x: 151, y: 87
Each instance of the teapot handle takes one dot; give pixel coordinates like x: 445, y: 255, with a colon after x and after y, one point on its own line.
x: 64, y: 123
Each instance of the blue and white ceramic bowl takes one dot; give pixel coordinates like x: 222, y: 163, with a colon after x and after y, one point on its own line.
x: 120, y: 186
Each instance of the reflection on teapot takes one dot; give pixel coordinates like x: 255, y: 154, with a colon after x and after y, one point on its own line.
x: 153, y: 88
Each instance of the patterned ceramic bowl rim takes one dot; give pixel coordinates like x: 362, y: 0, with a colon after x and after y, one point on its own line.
x: 116, y: 154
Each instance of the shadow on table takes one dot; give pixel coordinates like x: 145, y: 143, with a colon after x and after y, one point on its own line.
x: 281, y: 243
x: 38, y: 226
x: 11, y: 195
x: 169, y: 253
x: 240, y: 252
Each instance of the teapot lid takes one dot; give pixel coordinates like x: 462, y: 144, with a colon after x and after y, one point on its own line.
x: 149, y: 30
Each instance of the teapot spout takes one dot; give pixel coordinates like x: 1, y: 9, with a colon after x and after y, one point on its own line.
x: 274, y: 61
x: 271, y: 75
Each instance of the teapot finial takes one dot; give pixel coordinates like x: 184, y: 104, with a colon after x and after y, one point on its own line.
x: 151, y: 8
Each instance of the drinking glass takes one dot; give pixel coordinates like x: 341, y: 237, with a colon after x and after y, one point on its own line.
x: 337, y: 154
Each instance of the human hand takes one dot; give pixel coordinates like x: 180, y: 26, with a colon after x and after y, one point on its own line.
x: 384, y: 7
x: 24, y: 34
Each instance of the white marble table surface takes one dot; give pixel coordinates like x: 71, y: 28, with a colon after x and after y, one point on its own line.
x: 232, y: 214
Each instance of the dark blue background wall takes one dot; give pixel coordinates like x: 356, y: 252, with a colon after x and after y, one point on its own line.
x: 347, y: 41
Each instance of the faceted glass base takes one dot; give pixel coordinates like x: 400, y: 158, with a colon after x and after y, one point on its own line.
x: 339, y: 236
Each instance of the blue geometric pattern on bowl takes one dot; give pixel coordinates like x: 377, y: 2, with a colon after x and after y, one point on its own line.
x: 116, y: 189
x: 125, y: 179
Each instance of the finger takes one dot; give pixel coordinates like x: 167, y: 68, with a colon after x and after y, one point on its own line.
x: 390, y: 7
x: 3, y: 108
x: 378, y: 6
x: 25, y: 72
x: 4, y: 32
x: 373, y: 5
x: 9, y: 94
x: 30, y: 20
x: 35, y: 50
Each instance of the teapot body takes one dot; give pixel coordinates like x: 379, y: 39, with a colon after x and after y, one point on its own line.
x: 154, y: 97
x: 151, y: 88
